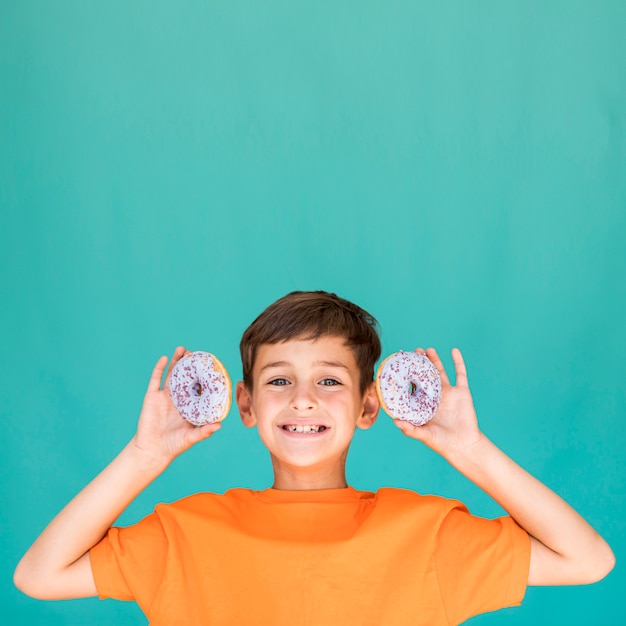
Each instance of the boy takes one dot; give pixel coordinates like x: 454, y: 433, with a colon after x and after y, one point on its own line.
x: 312, y: 550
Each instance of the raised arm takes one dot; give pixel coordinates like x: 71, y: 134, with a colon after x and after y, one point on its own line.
x: 57, y: 565
x: 565, y: 549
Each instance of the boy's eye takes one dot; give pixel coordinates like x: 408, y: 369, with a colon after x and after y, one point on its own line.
x: 279, y: 382
x: 329, y: 382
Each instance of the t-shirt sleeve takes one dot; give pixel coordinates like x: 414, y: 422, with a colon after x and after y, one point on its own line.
x: 482, y: 565
x: 128, y: 563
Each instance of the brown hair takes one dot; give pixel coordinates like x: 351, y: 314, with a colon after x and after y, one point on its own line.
x: 311, y: 315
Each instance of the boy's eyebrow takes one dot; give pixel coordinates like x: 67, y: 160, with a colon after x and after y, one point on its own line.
x: 287, y: 363
x: 275, y: 364
x: 332, y: 364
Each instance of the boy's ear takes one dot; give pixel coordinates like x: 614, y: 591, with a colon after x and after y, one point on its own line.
x: 371, y: 407
x: 243, y: 397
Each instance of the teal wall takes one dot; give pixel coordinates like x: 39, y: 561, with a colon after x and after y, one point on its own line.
x: 169, y: 169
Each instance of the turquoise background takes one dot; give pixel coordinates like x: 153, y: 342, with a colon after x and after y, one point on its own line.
x: 169, y: 169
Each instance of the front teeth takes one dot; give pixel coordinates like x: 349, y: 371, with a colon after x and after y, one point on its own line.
x: 306, y: 428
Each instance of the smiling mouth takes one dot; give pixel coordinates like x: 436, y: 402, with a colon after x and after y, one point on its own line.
x: 303, y: 428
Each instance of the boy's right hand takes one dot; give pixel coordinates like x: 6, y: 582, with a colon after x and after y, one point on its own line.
x: 162, y: 434
x: 454, y: 427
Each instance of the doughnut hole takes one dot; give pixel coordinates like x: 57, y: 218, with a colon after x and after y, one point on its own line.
x: 414, y: 389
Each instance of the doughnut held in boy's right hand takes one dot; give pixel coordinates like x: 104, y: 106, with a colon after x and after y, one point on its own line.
x: 200, y: 388
x: 409, y: 387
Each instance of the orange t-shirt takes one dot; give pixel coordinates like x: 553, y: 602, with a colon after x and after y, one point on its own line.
x: 336, y: 556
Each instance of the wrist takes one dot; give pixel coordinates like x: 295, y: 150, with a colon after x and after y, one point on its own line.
x: 471, y: 455
x: 145, y: 461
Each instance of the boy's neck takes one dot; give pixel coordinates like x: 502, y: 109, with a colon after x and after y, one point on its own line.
x: 307, y: 479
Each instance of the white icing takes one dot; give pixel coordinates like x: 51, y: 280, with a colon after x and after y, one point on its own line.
x: 410, y: 387
x: 199, y: 392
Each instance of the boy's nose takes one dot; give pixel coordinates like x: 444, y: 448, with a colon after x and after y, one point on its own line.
x: 303, y: 398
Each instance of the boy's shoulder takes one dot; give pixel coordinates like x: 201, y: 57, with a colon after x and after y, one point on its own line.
x: 203, y: 500
x: 414, y: 504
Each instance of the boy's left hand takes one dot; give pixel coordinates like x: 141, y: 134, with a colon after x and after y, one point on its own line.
x: 454, y: 428
x: 564, y: 548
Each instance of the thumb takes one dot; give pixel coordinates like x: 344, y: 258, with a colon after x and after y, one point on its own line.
x: 203, y: 432
x: 410, y: 430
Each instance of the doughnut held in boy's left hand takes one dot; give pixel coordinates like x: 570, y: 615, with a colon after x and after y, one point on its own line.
x: 200, y: 388
x: 409, y: 387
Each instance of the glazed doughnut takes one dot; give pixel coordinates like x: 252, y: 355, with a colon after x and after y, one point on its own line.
x: 200, y: 388
x: 409, y: 387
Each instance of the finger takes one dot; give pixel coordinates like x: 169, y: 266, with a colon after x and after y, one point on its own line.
x: 459, y: 366
x: 420, y: 350
x: 203, y: 432
x: 410, y: 430
x: 431, y: 353
x: 177, y: 356
x: 157, y: 373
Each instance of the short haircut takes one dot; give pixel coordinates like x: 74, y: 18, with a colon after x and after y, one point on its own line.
x: 311, y: 315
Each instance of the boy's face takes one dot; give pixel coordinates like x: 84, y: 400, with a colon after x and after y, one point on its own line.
x: 306, y: 403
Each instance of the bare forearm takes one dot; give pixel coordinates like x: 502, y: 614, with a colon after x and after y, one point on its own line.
x: 57, y: 565
x: 49, y: 567
x: 566, y: 549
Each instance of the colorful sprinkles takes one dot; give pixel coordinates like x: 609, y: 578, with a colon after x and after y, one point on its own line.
x: 199, y: 391
x: 410, y: 387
